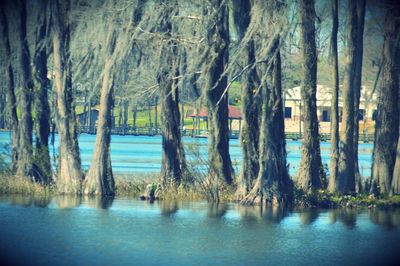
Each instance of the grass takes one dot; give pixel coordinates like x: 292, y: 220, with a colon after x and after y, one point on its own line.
x: 134, y: 186
x: 22, y: 186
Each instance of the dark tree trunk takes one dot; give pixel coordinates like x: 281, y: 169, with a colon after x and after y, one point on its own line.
x: 357, y: 87
x: 251, y: 102
x: 120, y: 113
x: 335, y: 101
x: 99, y: 179
x: 125, y: 121
x: 173, y: 160
x: 149, y: 113
x: 42, y: 163
x: 387, y: 122
x: 346, y: 175
x: 249, y: 134
x: 25, y: 127
x: 69, y: 176
x: 311, y: 170
x: 11, y: 99
x: 273, y: 185
x: 217, y: 99
x: 156, y: 112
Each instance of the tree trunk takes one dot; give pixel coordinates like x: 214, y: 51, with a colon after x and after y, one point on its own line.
x: 217, y: 100
x: 69, y: 173
x: 100, y: 179
x: 173, y: 161
x: 251, y: 102
x: 387, y: 122
x: 42, y: 163
x: 11, y: 99
x: 335, y: 102
x: 310, y: 171
x: 346, y: 173
x: 125, y: 121
x: 120, y: 114
x: 395, y: 189
x: 357, y: 87
x: 134, y: 111
x: 249, y: 134
x: 149, y: 112
x: 273, y: 185
x: 156, y: 112
x: 25, y: 153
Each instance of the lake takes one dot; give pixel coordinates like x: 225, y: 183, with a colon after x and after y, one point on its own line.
x: 71, y: 231
x: 142, y: 154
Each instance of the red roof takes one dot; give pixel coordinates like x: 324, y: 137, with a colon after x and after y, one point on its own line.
x: 234, y: 113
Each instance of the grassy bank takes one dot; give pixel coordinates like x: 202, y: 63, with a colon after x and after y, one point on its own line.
x: 135, y: 186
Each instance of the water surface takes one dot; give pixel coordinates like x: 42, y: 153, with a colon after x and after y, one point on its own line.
x: 142, y: 154
x: 71, y: 231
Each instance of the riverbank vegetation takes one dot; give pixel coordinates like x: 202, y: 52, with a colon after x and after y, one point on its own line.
x: 163, y: 54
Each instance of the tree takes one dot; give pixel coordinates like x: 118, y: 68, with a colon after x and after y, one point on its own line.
x: 346, y: 174
x: 216, y: 56
x: 310, y: 170
x: 173, y: 162
x: 357, y: 85
x: 42, y: 162
x: 99, y: 179
x: 335, y: 101
x: 387, y: 122
x: 11, y: 99
x: 25, y: 153
x: 251, y: 100
x: 395, y: 189
x: 272, y: 185
x: 70, y: 175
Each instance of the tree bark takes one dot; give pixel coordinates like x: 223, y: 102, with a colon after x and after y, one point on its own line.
x: 310, y: 170
x: 251, y: 102
x: 11, y: 99
x: 125, y: 121
x: 100, y: 179
x: 357, y: 87
x: 217, y: 102
x: 335, y: 101
x: 25, y: 126
x: 395, y: 189
x: 42, y: 162
x: 173, y: 162
x: 69, y: 178
x: 387, y: 122
x: 346, y: 174
x: 273, y: 185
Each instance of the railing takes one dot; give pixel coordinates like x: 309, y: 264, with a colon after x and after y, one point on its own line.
x: 200, y: 133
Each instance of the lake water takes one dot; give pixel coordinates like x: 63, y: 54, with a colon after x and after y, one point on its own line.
x: 142, y: 154
x: 71, y: 231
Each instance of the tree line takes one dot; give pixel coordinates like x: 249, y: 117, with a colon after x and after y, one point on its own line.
x: 198, y: 48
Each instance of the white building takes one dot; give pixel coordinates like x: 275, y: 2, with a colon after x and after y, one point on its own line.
x: 293, y: 110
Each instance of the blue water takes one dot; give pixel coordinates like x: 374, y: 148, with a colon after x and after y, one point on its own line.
x: 140, y: 154
x: 71, y: 231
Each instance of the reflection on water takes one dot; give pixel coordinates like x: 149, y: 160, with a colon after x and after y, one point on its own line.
x: 217, y: 210
x: 348, y: 217
x: 387, y: 219
x: 67, y: 202
x: 309, y: 216
x: 168, y: 208
x: 95, y: 230
x: 271, y: 215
